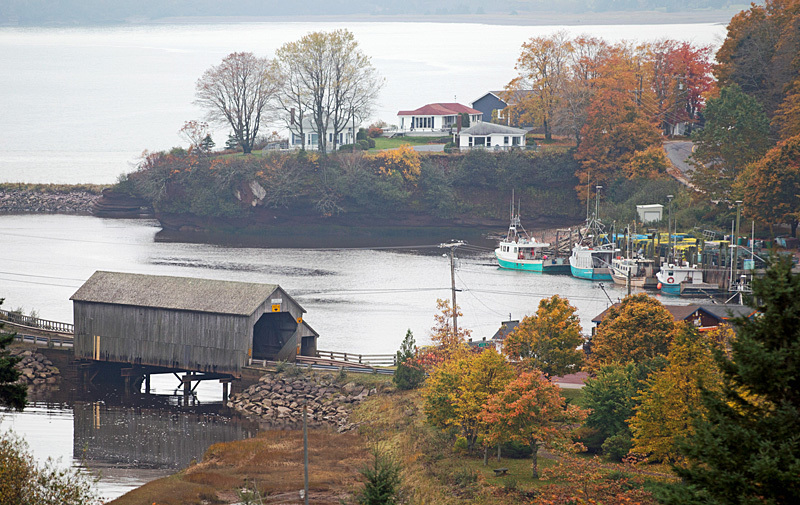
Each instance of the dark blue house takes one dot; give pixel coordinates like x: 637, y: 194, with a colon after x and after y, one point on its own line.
x: 488, y: 103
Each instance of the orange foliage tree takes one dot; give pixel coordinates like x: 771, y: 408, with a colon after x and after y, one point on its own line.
x: 531, y: 410
x: 549, y: 339
x: 771, y: 186
x: 639, y: 329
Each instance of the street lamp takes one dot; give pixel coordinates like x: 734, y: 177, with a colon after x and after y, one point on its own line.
x: 597, y: 202
x: 669, y: 229
x: 735, y: 265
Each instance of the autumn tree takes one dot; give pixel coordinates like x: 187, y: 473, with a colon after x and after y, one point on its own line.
x: 746, y: 448
x: 542, y: 69
x: 771, y: 186
x: 442, y: 332
x: 680, y: 76
x: 549, y: 340
x: 328, y: 79
x: 457, y: 391
x: 616, y: 126
x: 578, y: 89
x: 736, y: 133
x: 238, y: 92
x: 531, y: 410
x: 663, y: 417
x: 638, y: 330
x: 12, y: 394
x: 759, y: 53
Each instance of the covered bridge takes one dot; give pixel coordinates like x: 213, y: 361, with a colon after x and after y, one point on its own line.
x: 184, y: 323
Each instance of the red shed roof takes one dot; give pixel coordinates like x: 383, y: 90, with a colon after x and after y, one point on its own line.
x: 439, y: 109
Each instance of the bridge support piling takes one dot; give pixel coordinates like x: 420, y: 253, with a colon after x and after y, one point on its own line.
x: 187, y: 389
x: 147, y: 384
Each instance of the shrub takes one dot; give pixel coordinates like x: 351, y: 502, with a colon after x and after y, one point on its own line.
x: 24, y: 482
x: 617, y: 446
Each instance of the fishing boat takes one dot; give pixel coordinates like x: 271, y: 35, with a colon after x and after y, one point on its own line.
x: 592, y: 263
x: 520, y: 251
x: 638, y: 271
x: 685, y: 280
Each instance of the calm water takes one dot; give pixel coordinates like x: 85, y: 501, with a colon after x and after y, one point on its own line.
x: 81, y: 104
x: 358, y: 300
x: 125, y: 442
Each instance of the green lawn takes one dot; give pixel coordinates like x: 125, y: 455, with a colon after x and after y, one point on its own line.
x: 387, y: 143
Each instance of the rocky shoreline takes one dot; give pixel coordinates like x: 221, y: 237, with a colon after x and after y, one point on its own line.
x: 35, y: 369
x: 25, y: 201
x: 278, y: 399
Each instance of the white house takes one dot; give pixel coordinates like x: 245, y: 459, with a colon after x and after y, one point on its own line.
x: 490, y: 136
x: 311, y: 140
x: 435, y: 117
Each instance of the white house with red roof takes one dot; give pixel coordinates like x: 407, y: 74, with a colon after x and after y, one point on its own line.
x: 435, y: 117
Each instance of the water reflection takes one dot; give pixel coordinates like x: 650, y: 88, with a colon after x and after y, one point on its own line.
x: 127, y: 441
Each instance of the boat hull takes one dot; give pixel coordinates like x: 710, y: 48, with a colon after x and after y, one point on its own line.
x: 554, y: 266
x: 591, y: 274
x: 637, y: 282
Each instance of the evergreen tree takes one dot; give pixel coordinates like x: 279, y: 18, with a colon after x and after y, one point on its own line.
x: 408, y: 375
x: 12, y: 395
x: 382, y: 486
x: 746, y: 450
x: 232, y: 144
x: 207, y: 144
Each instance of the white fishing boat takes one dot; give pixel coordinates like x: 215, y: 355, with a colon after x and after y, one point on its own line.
x: 592, y: 263
x: 638, y: 271
x: 520, y: 251
x: 686, y: 280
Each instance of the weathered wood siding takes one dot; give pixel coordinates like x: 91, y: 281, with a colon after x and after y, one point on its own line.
x: 177, y: 339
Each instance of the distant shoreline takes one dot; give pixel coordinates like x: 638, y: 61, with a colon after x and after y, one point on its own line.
x: 721, y: 16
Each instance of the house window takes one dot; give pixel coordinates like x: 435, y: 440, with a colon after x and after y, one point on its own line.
x: 505, y: 141
x: 515, y: 141
x: 313, y: 139
x: 470, y: 141
x: 480, y: 141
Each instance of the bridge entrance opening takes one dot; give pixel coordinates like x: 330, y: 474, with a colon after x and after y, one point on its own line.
x: 271, y: 333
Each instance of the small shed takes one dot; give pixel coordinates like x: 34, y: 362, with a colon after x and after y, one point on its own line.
x: 187, y: 323
x: 650, y: 213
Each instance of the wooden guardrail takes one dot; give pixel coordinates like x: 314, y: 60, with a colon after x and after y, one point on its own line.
x: 34, y: 322
x: 363, y: 359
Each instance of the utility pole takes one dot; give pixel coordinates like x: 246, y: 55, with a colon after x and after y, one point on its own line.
x: 669, y: 229
x: 305, y: 452
x: 734, y: 242
x: 452, y: 246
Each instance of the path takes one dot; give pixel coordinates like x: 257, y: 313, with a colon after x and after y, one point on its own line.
x: 678, y: 152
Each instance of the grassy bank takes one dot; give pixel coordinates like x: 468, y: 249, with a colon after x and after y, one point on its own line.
x: 435, y: 469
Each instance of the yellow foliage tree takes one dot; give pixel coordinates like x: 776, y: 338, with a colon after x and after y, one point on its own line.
x: 403, y: 160
x: 549, y: 339
x: 672, y: 399
x: 652, y: 162
x: 458, y: 389
x: 638, y: 330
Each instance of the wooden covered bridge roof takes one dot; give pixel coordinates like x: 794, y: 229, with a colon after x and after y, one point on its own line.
x: 178, y: 293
